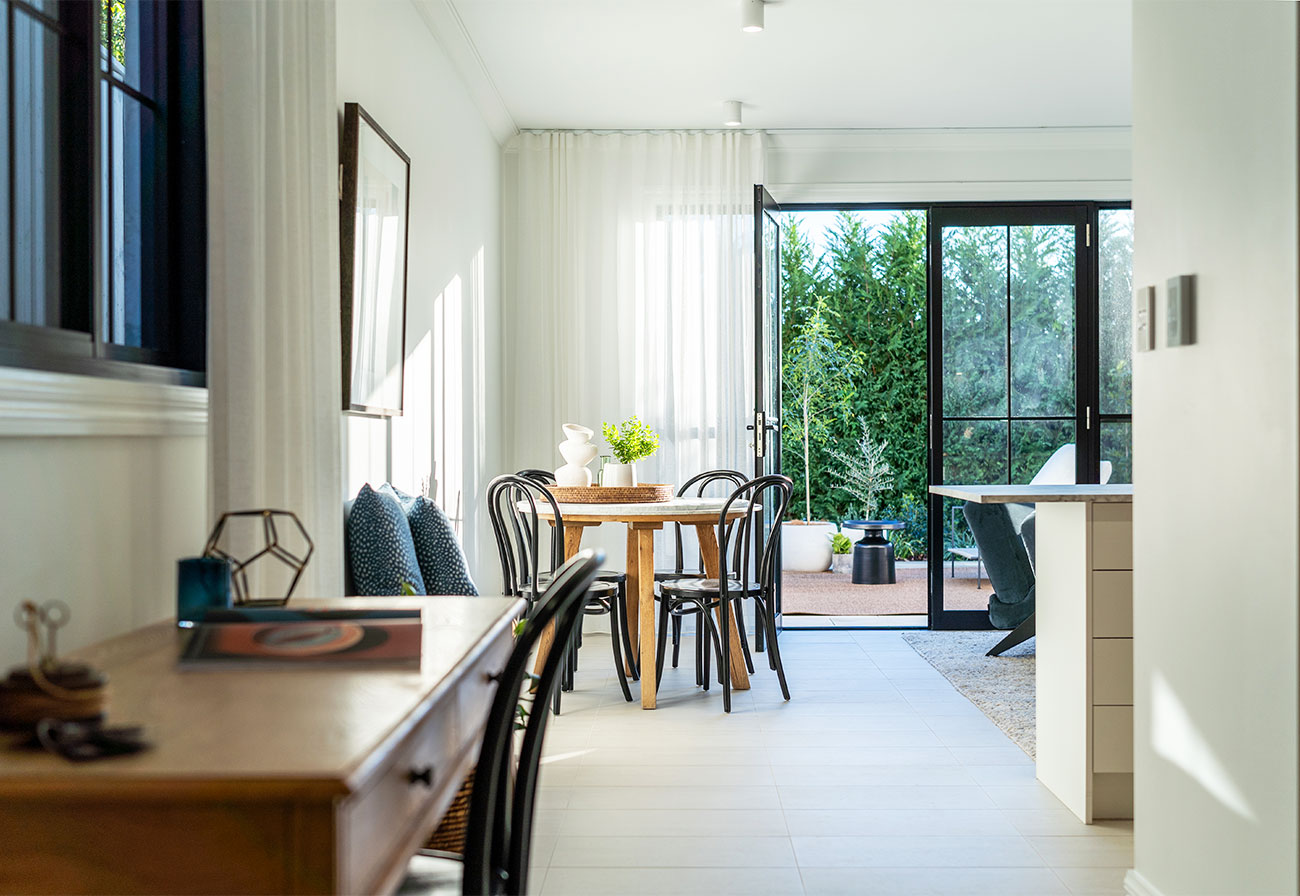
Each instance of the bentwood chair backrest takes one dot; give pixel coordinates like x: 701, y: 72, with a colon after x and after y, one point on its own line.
x: 695, y: 487
x: 513, y: 503
x: 502, y: 799
x: 751, y: 497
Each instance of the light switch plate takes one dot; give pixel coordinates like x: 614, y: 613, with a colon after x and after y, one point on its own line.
x: 1181, y: 310
x: 1144, y: 316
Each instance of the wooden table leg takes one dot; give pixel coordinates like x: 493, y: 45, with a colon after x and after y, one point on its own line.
x: 708, y: 537
x: 645, y: 567
x: 572, y: 544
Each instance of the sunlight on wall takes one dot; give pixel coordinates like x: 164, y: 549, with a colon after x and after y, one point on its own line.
x: 412, y: 432
x: 447, y: 404
x: 1174, y: 736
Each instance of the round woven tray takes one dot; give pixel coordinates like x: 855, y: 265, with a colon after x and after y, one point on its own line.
x: 596, y: 494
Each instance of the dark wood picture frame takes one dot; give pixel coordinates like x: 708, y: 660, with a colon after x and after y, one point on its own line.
x: 363, y: 162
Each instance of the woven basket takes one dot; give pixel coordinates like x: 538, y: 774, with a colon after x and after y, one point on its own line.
x: 600, y: 494
x: 450, y: 835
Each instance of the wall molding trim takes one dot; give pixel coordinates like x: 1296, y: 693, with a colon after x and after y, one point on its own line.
x: 37, y: 404
x: 1137, y: 885
x: 448, y: 29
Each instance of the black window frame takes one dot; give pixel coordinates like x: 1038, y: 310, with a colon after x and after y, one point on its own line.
x: 175, y: 176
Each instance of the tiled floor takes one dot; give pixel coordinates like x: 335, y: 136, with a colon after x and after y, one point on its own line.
x: 877, y: 777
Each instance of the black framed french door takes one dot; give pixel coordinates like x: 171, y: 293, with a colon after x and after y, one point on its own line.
x: 766, y: 422
x: 1013, y: 371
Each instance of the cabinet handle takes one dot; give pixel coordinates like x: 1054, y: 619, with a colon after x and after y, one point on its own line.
x: 421, y: 776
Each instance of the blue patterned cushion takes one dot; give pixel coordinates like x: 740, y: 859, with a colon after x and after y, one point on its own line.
x: 442, y: 562
x: 383, y: 554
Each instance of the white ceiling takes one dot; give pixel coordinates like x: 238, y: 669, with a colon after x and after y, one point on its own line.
x: 819, y: 64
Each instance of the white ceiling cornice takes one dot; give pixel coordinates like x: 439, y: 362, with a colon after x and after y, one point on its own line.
x: 445, y: 24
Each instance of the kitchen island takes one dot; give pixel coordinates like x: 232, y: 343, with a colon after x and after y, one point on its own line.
x: 1084, y: 639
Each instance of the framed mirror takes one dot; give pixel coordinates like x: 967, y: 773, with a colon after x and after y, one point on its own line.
x: 373, y: 214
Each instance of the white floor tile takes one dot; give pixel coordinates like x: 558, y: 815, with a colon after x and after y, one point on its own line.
x: 931, y: 882
x: 877, y: 777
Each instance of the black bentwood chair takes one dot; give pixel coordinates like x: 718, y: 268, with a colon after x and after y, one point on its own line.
x: 738, y: 551
x: 512, y: 507
x: 617, y: 577
x: 695, y: 487
x: 502, y: 800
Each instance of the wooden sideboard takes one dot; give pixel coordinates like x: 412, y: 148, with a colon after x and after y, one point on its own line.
x: 262, y: 780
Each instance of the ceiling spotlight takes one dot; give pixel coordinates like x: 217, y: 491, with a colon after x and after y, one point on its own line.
x: 732, y: 117
x: 751, y: 15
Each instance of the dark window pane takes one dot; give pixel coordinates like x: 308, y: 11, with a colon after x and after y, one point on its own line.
x: 36, y: 196
x: 128, y: 45
x: 1042, y: 320
x: 975, y: 452
x: 1115, y: 310
x: 133, y: 219
x: 1117, y: 449
x: 6, y: 312
x: 974, y: 321
x: 1033, y: 442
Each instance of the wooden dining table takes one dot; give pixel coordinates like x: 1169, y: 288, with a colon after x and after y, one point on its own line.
x: 642, y: 521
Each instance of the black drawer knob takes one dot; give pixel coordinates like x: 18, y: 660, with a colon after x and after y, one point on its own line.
x: 421, y: 776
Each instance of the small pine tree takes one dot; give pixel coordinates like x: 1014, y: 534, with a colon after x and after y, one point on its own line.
x: 865, y: 472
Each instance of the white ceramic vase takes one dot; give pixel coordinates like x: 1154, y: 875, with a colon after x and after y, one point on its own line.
x: 577, y: 451
x: 619, y: 475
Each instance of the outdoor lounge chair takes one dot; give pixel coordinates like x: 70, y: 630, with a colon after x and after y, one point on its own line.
x: 998, y: 532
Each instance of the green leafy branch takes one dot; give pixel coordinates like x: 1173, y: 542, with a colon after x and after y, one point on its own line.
x: 634, y: 441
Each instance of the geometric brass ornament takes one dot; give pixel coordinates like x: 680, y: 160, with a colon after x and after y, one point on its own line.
x: 271, y: 548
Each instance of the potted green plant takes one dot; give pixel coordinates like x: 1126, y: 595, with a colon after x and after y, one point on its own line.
x: 841, y: 553
x: 818, y: 372
x: 629, y: 443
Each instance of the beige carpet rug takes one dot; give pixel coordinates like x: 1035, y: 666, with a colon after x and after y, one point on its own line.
x: 834, y: 594
x: 1001, y: 686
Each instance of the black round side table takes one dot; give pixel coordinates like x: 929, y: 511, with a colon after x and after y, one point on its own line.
x: 873, y: 556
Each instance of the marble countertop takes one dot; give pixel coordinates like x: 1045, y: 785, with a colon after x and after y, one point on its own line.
x: 1036, y: 494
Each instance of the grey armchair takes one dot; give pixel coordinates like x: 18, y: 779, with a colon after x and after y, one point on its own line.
x: 1005, y: 535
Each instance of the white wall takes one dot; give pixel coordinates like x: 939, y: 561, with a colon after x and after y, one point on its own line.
x: 948, y: 165
x: 1216, y: 451
x: 390, y: 62
x: 105, y: 487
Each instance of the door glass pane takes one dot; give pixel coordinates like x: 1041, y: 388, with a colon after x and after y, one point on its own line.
x: 36, y: 196
x: 974, y: 322
x: 1117, y: 450
x: 1115, y: 310
x: 1042, y: 320
x: 1033, y: 442
x: 974, y: 452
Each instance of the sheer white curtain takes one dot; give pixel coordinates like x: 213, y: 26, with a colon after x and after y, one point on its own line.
x: 273, y: 307
x: 632, y: 293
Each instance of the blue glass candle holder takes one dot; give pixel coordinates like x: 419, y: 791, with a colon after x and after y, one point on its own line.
x: 201, y: 584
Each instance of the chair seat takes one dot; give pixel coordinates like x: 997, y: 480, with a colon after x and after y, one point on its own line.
x: 432, y: 876
x: 597, y: 589
x: 696, y: 587
x: 669, y: 575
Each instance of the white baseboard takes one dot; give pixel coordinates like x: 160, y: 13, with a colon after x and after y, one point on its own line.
x: 1137, y: 885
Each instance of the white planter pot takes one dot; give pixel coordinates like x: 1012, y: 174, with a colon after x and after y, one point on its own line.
x: 619, y: 475
x: 806, y: 547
